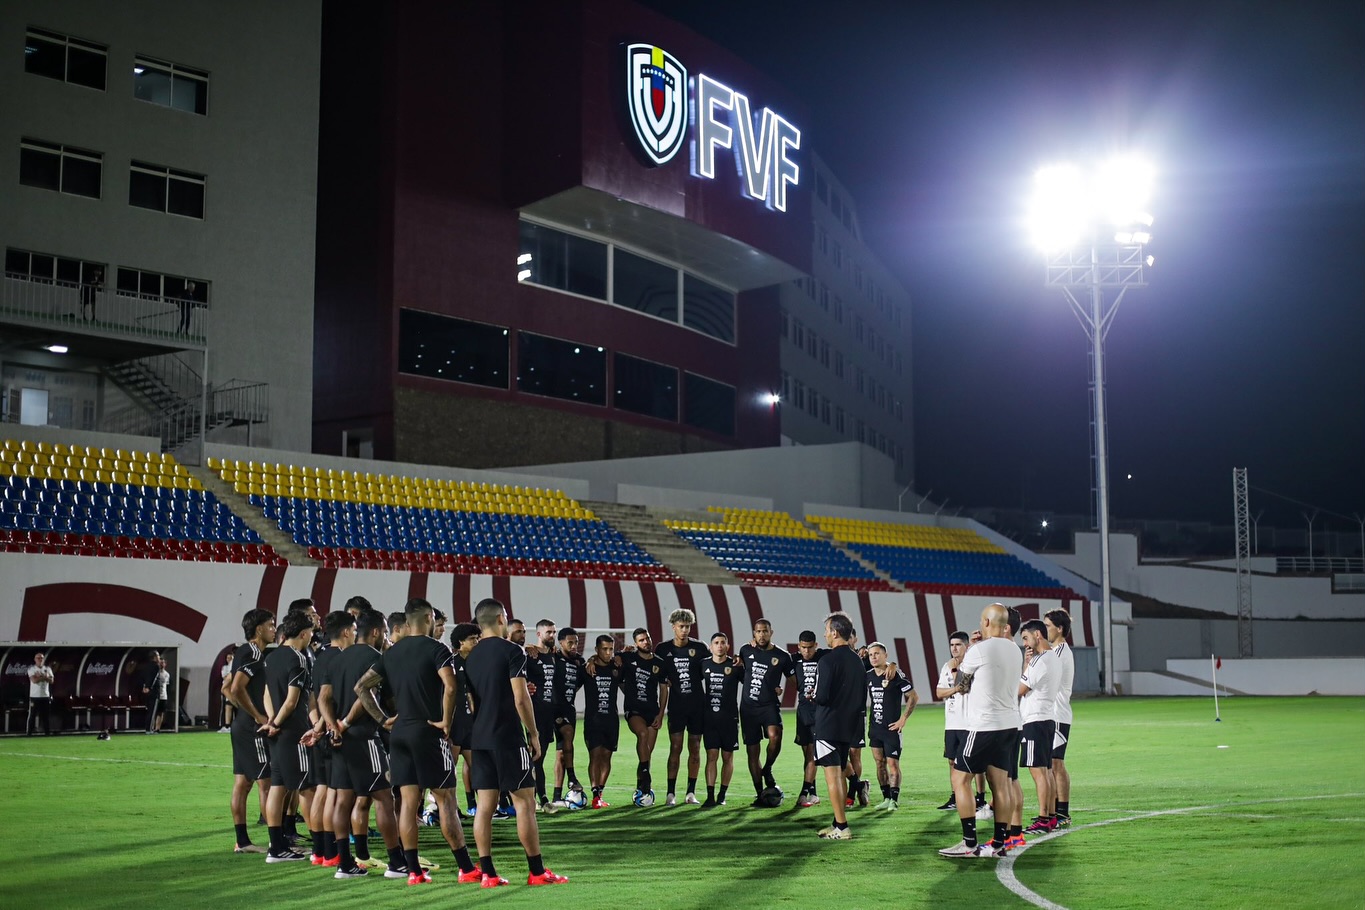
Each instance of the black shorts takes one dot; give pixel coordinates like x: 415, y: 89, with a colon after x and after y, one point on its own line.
x: 250, y: 755
x: 686, y: 716
x: 860, y: 742
x: 338, y: 778
x: 462, y: 730
x: 1013, y: 769
x: 290, y: 762
x: 1035, y: 746
x: 545, y: 726
x: 754, y: 722
x: 602, y: 732
x: 1059, y: 741
x: 366, y: 764
x: 987, y: 748
x: 564, y: 719
x: 831, y: 755
x: 805, y: 736
x: 646, y: 713
x: 952, y: 743
x: 721, y: 733
x: 889, y: 741
x: 419, y: 756
x: 504, y: 770
x: 320, y: 754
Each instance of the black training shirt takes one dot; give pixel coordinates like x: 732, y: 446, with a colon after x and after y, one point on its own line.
x: 490, y: 669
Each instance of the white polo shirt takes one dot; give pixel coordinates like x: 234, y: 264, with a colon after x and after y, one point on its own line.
x: 1066, y: 675
x: 993, y: 702
x: 1041, y: 676
x: 953, y: 718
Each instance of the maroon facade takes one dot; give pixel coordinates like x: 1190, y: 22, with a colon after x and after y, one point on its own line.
x: 440, y: 123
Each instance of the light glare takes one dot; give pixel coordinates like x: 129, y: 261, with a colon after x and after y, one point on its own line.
x: 1059, y: 210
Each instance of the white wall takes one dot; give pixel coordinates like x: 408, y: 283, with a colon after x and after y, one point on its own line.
x: 199, y: 606
x: 1303, y: 676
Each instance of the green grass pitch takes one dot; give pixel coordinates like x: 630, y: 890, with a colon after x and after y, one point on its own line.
x: 1164, y: 817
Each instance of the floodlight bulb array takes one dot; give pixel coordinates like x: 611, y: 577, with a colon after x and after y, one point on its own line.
x: 1068, y: 206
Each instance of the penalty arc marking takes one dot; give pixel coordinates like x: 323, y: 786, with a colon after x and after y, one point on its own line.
x: 1004, y: 870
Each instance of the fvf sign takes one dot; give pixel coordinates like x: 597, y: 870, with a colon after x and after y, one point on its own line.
x: 761, y: 145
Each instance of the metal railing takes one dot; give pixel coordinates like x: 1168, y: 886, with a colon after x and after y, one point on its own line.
x: 86, y: 309
x: 1317, y: 565
x: 235, y: 402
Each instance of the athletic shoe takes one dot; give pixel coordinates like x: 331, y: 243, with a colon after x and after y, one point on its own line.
x: 505, y: 812
x: 353, y: 872
x: 399, y: 871
x: 892, y: 805
x: 224, y: 729
x: 419, y: 878
x: 547, y: 808
x: 672, y: 800
x: 493, y: 881
x: 470, y: 812
x: 691, y: 799
x: 949, y: 806
x: 709, y: 804
x: 546, y: 878
x: 473, y: 875
x: 884, y: 804
x: 803, y: 801
x: 991, y: 849
x: 848, y: 802
x: 833, y: 833
x: 1063, y: 821
x: 958, y: 850
x: 249, y: 848
x: 285, y: 856
x: 427, y: 865
x: 371, y: 863
x: 598, y: 803
x: 430, y: 818
x: 555, y: 806
x: 334, y: 862
x: 768, y: 779
x: 316, y: 860
x: 984, y: 812
x: 1015, y: 841
x: 1040, y: 825
x: 863, y: 789
x: 812, y: 798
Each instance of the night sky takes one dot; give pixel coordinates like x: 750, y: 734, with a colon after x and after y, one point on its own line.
x: 1247, y: 349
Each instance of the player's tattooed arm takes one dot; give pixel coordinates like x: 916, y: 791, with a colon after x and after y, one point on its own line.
x: 365, y: 694
x: 964, y: 681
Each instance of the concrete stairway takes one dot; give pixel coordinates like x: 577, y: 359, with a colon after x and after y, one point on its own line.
x: 644, y: 527
x: 253, y: 517
x: 870, y: 566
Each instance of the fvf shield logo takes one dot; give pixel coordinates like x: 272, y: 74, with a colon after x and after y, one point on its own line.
x: 657, y: 84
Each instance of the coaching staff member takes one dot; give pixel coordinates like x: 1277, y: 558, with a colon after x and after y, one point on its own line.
x: 505, y: 743
x: 839, y: 700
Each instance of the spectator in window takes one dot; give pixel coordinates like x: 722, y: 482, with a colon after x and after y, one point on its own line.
x: 186, y: 302
x: 90, y: 289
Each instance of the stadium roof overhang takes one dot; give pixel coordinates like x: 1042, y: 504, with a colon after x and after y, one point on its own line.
x: 695, y: 248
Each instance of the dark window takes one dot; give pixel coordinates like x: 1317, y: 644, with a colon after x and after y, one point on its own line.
x: 164, y: 189
x: 562, y: 261
x: 59, y: 167
x: 68, y: 59
x: 170, y: 85
x: 561, y: 369
x: 440, y: 347
x: 708, y: 309
x: 45, y: 267
x: 710, y: 405
x: 646, y: 286
x: 645, y: 387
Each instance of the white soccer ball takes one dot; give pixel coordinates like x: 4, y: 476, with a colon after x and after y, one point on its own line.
x: 644, y: 798
x: 576, y: 799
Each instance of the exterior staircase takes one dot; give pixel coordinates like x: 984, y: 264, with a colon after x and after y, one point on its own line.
x: 168, y: 401
x: 644, y: 527
x: 853, y: 555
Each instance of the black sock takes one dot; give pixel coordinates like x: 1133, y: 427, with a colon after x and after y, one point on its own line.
x: 362, y: 845
x: 343, y: 854
x: 808, y: 787
x: 486, y: 866
x: 1014, y: 830
x: 691, y: 785
x: 854, y: 783
x: 289, y: 826
x: 317, y: 839
x: 969, y: 830
x: 462, y: 857
x: 243, y: 839
x: 720, y: 794
x: 894, y: 793
x: 276, y: 833
x: 596, y: 792
x: 329, y: 845
x: 886, y: 791
x: 673, y: 786
x: 559, y: 793
x: 980, y: 800
x: 1001, y: 832
x: 573, y: 778
x: 411, y: 861
x: 536, y: 863
x: 840, y: 826
x: 1063, y: 808
x: 470, y: 799
x: 710, y: 793
x: 540, y: 782
x: 396, y: 857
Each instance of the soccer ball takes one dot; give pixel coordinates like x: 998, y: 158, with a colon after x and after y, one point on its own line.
x: 644, y: 798
x: 771, y: 797
x: 576, y: 799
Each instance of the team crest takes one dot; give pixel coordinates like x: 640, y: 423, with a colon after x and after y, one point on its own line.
x: 727, y: 670
x: 774, y: 661
x: 657, y: 87
x: 691, y: 652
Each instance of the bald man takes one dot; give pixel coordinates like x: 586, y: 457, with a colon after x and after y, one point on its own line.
x: 988, y: 678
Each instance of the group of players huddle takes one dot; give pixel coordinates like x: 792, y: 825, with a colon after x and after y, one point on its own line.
x: 381, y: 711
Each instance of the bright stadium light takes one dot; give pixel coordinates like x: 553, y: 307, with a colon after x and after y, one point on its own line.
x: 772, y: 399
x: 1092, y: 228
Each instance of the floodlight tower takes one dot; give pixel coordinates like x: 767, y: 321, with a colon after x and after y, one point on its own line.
x: 1093, y: 228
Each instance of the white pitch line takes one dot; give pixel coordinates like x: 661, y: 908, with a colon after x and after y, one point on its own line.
x: 1004, y: 870
x: 112, y: 761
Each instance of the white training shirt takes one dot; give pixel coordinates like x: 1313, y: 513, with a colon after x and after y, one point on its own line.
x: 953, y: 718
x: 993, y: 702
x: 1066, y: 666
x: 1041, y: 675
x: 40, y: 681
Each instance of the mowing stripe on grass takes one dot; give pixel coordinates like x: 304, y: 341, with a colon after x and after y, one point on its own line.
x: 1004, y: 870
x: 111, y: 761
